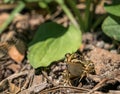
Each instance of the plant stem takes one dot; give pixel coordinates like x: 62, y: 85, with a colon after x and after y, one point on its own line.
x: 87, y: 15
x: 20, y: 6
x: 68, y: 13
x: 72, y: 4
x: 98, y: 21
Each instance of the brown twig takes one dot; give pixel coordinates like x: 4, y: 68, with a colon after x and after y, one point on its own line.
x: 4, y: 82
x: 14, y: 76
x: 28, y: 80
x: 34, y: 88
x: 99, y: 85
x: 63, y: 87
x: 45, y: 75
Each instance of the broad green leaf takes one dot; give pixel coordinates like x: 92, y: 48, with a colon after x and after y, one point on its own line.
x: 113, y: 9
x: 111, y: 27
x: 51, y: 42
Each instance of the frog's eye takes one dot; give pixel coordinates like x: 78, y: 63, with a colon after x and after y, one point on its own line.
x: 67, y: 55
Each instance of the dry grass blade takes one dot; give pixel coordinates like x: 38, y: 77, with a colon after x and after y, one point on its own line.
x: 65, y: 89
x: 34, y: 88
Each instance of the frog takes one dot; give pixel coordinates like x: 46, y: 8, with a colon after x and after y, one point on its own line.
x: 77, y: 66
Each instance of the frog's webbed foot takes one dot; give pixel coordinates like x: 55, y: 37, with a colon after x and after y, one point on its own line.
x: 66, y: 78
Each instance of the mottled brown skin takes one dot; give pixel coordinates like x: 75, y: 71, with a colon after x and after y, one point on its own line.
x: 77, y: 67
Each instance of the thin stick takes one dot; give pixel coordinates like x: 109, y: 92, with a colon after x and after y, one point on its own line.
x: 99, y: 85
x: 64, y: 87
x: 68, y: 13
x: 20, y: 6
x: 45, y: 75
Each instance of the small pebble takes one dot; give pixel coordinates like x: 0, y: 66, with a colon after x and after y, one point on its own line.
x: 55, y: 69
x: 100, y: 44
x: 63, y: 68
x: 118, y: 87
x: 107, y: 46
x: 50, y: 78
x: 114, y: 51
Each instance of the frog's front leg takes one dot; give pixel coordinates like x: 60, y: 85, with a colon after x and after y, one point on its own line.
x: 66, y: 78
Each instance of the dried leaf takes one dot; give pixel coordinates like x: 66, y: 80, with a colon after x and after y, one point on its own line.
x: 15, y: 54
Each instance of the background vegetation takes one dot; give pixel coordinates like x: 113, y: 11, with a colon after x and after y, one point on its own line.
x: 52, y: 41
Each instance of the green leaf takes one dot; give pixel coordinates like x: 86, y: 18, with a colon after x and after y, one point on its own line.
x: 51, y: 42
x: 111, y: 27
x: 43, y: 5
x: 113, y: 9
